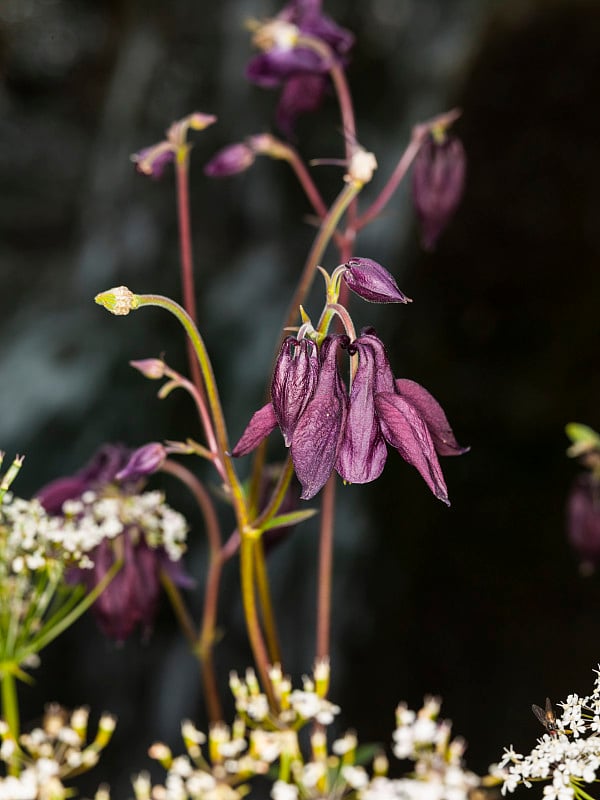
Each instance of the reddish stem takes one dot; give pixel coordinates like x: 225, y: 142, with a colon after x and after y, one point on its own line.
x: 187, y: 262
x: 325, y: 569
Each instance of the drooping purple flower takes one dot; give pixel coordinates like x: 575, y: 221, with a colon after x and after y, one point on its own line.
x: 380, y: 410
x: 372, y: 282
x: 438, y: 180
x: 132, y: 595
x: 327, y: 429
x: 583, y: 520
x: 294, y: 381
x: 284, y: 60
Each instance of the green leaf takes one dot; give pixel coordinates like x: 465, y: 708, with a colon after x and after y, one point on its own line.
x: 293, y: 518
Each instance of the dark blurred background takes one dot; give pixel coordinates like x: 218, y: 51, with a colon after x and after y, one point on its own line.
x: 483, y: 602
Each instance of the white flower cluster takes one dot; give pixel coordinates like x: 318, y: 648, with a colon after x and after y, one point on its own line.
x: 261, y: 743
x: 31, y: 538
x: 48, y: 756
x: 295, y: 707
x: 566, y: 757
x: 438, y: 772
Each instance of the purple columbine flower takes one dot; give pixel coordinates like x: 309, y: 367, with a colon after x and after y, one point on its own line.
x: 372, y: 282
x: 131, y: 598
x: 401, y: 413
x: 300, y: 70
x: 438, y: 181
x: 328, y: 430
x: 583, y: 520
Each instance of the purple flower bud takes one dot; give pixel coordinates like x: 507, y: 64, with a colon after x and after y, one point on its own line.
x: 144, y: 461
x: 317, y: 436
x: 372, y: 282
x: 294, y: 380
x: 583, y: 520
x: 438, y: 180
x: 153, y: 160
x: 230, y: 160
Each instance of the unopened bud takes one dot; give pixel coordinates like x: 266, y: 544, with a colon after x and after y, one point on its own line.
x: 230, y: 160
x: 152, y: 368
x: 361, y: 168
x: 119, y: 301
x: 372, y: 282
x: 142, y: 462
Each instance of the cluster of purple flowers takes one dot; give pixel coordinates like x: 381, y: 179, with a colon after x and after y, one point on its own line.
x: 327, y: 428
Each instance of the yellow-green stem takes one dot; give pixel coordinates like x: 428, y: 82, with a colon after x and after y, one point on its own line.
x: 266, y: 604
x: 10, y: 705
x: 212, y: 394
x: 256, y: 639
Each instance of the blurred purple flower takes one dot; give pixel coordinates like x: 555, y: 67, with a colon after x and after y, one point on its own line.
x: 583, y: 520
x: 438, y: 180
x: 131, y: 597
x: 301, y: 70
x: 230, y: 160
x: 143, y: 462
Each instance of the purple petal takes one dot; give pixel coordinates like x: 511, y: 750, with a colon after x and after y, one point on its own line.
x: 363, y: 452
x: 272, y: 68
x: 101, y: 470
x: 383, y: 378
x: 372, y: 282
x: 302, y: 94
x: 404, y: 428
x: 259, y: 427
x: 433, y: 414
x: 294, y: 381
x: 438, y: 181
x: 317, y: 436
x: 54, y: 494
x: 230, y: 160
